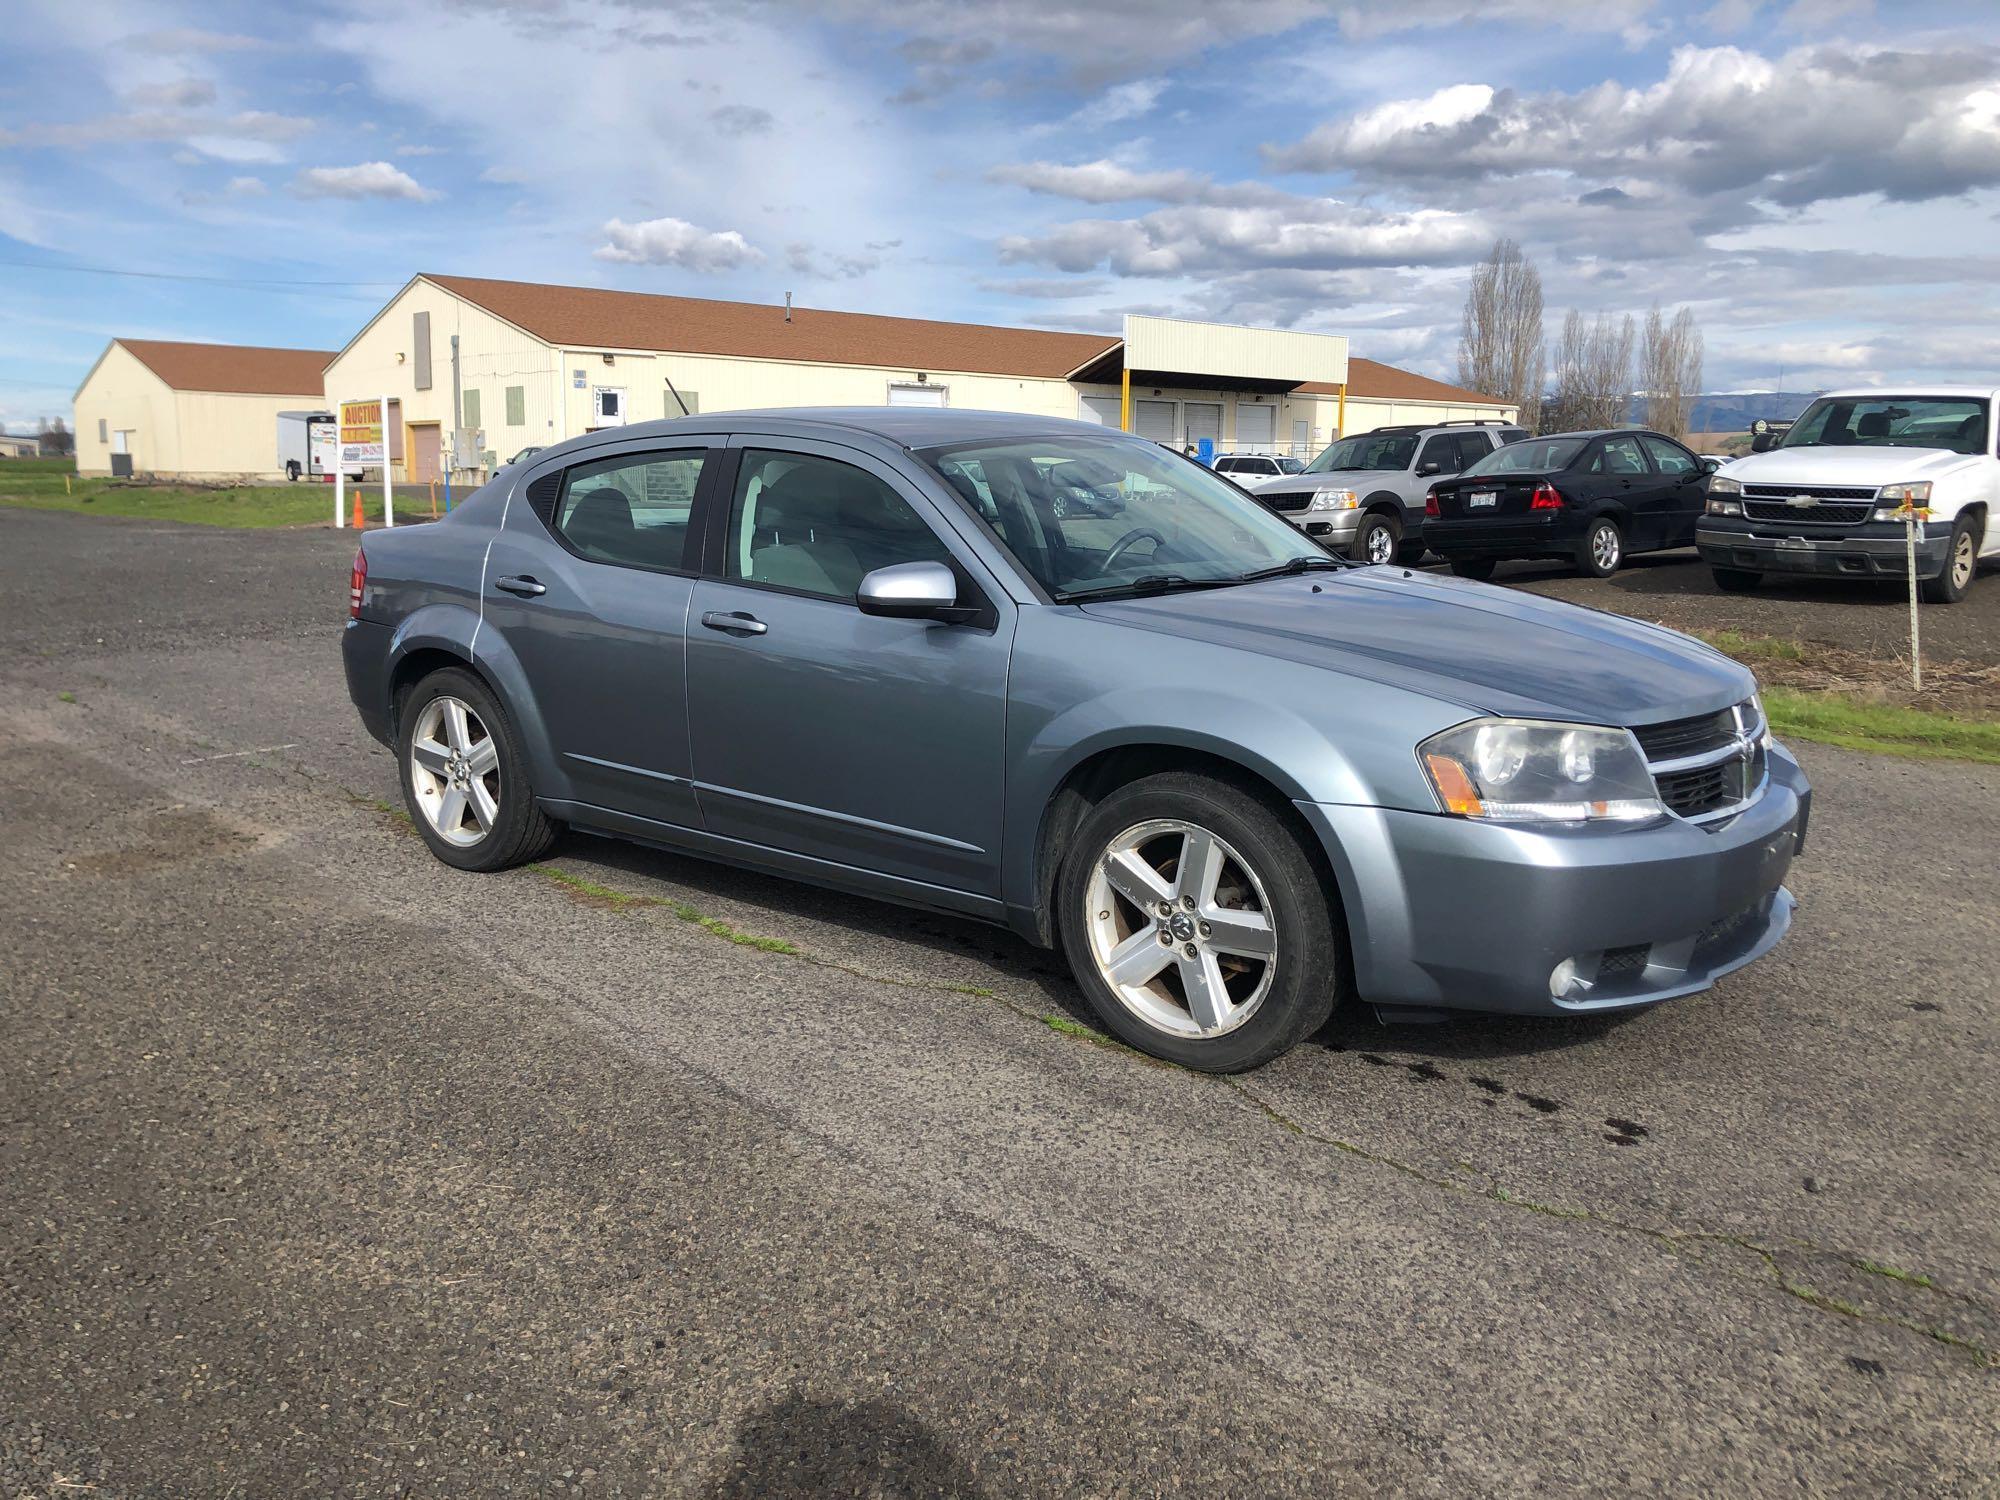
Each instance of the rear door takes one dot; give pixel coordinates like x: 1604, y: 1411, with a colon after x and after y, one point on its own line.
x: 1685, y: 491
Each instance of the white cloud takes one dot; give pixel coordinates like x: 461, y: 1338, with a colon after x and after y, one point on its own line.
x: 368, y: 179
x: 246, y: 187
x: 179, y: 93
x: 675, y: 242
x: 247, y: 130
x: 1099, y: 181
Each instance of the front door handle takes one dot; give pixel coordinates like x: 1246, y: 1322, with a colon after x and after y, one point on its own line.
x: 527, y: 588
x: 738, y: 623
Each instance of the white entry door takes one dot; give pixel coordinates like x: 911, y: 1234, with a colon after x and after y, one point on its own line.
x: 1256, y: 428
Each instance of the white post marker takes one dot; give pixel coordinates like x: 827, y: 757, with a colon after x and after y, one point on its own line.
x: 339, y: 488
x: 388, y: 492
x: 1913, y: 515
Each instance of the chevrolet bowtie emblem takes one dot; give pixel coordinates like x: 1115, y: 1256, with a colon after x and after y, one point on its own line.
x: 1801, y: 502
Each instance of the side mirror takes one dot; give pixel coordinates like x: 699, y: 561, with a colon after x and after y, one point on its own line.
x: 1710, y: 465
x: 1761, y: 443
x: 1429, y: 468
x: 911, y: 591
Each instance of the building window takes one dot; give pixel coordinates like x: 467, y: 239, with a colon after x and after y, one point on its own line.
x: 420, y: 341
x: 517, y: 406
x: 608, y: 406
x: 471, y: 408
x: 919, y: 395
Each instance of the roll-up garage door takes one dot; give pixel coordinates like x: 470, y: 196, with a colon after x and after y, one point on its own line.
x: 916, y: 395
x: 1256, y: 428
x: 1102, y: 409
x: 1204, y: 420
x: 1154, y: 419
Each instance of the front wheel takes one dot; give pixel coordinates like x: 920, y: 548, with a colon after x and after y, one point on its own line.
x: 1377, y: 539
x: 292, y: 470
x: 1197, y: 924
x: 1603, y: 549
x: 465, y: 777
x: 1960, y: 562
x: 1736, y: 580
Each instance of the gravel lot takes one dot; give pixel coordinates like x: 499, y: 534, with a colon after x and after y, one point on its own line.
x: 331, y: 1171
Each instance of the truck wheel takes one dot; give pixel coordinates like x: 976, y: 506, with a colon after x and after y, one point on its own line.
x: 1197, y: 923
x: 1602, y: 549
x: 1480, y: 568
x: 1377, y: 539
x: 1736, y: 580
x: 292, y: 470
x: 1960, y: 560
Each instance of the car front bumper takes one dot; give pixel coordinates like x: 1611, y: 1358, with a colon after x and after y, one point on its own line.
x: 1330, y: 528
x: 1875, y: 549
x: 1452, y: 914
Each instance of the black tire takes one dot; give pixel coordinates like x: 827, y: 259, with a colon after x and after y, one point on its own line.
x: 292, y: 470
x: 521, y: 831
x: 1480, y: 568
x: 1600, y: 559
x: 1961, y: 561
x: 1736, y: 580
x: 1380, y: 533
x: 1306, y: 971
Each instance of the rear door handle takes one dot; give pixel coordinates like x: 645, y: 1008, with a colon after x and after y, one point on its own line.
x: 738, y: 623
x: 527, y: 588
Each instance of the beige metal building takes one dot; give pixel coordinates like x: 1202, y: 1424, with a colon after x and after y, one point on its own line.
x: 191, y: 411
x: 14, y: 445
x: 534, y: 364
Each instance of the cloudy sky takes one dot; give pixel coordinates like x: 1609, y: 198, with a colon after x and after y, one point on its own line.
x: 1819, y: 179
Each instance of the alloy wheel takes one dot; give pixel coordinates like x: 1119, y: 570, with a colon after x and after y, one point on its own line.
x: 455, y: 771
x: 1381, y: 545
x: 1180, y: 929
x: 1604, y: 547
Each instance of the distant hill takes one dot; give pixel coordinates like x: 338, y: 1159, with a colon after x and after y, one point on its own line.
x: 1734, y: 411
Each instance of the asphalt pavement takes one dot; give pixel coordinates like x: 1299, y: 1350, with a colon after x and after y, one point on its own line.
x: 329, y: 1170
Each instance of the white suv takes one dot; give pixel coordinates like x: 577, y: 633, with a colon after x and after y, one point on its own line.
x: 1823, y: 498
x: 1248, y: 469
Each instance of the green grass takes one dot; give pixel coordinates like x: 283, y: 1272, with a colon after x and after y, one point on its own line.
x: 1753, y: 647
x: 66, y: 697
x: 1894, y: 1273
x: 1885, y: 729
x: 52, y: 484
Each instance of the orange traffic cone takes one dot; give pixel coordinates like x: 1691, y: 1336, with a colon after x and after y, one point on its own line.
x: 359, y: 520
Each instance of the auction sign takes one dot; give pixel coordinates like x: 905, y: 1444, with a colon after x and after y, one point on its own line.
x: 361, y: 435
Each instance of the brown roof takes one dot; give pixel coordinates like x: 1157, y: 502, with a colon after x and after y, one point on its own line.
x: 235, y: 368
x: 593, y: 318
x: 1366, y: 377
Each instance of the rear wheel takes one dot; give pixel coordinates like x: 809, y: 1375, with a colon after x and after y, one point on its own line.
x: 1196, y: 923
x: 1736, y: 580
x: 465, y: 777
x: 1960, y: 562
x: 1473, y: 567
x: 292, y: 470
x: 1377, y: 539
x: 1602, y: 549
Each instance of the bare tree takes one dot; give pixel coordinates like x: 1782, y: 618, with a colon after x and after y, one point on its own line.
x: 1593, y: 373
x: 1500, y: 345
x: 1670, y: 370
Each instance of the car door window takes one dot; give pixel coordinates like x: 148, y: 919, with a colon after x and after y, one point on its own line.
x: 1671, y: 459
x: 1473, y: 446
x: 1621, y: 456
x: 631, y: 510
x: 818, y: 526
x: 1441, y: 450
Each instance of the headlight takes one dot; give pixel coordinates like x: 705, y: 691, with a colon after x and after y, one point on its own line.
x: 1725, y: 497
x: 1891, y: 499
x: 1530, y: 771
x: 1334, y: 500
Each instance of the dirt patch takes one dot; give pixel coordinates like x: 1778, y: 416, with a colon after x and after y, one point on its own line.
x: 171, y: 837
x: 1968, y: 689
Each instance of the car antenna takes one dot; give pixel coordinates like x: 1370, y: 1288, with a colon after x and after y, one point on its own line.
x: 677, y: 397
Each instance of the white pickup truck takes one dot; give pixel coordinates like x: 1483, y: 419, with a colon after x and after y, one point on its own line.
x: 1825, y: 496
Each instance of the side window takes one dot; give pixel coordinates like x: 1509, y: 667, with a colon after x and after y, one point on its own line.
x: 819, y: 526
x: 1441, y: 450
x: 1473, y: 446
x: 632, y: 509
x: 1670, y: 458
x: 1619, y: 455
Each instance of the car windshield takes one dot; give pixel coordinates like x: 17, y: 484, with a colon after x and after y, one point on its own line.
x: 1087, y: 515
x: 1290, y: 466
x: 1531, y: 456
x: 1366, y: 450
x: 1955, y: 424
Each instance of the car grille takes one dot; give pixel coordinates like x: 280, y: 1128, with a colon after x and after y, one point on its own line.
x: 1833, y: 504
x: 1709, y: 766
x: 1289, y: 502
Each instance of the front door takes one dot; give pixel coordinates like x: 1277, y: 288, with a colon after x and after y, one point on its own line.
x: 1624, y: 474
x: 822, y: 731
x: 427, y: 444
x: 1684, y: 494
x: 586, y: 585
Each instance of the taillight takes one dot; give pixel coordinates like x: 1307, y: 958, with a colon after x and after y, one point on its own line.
x: 356, y: 582
x: 1431, y: 503
x: 1545, y: 498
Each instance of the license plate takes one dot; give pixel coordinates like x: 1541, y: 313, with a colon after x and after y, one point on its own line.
x: 1482, y: 500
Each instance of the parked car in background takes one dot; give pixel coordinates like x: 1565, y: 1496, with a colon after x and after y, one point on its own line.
x: 1231, y: 777
x: 1825, y: 497
x: 1249, y: 468
x: 526, y: 453
x: 1365, y: 494
x: 1594, y: 498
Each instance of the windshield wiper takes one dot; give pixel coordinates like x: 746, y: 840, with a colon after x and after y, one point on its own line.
x: 1290, y: 565
x: 1150, y: 583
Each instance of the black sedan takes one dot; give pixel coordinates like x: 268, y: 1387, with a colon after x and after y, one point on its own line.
x: 1589, y: 497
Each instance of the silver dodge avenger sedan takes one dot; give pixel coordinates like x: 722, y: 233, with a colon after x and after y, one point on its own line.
x: 1051, y: 676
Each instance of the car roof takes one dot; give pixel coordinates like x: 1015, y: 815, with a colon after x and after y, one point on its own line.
x: 905, y: 426
x: 1915, y: 391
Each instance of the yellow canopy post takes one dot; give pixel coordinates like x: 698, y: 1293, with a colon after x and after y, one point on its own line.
x: 1125, y: 402
x: 1340, y: 417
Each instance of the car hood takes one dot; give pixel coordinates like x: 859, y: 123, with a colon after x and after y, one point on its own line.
x: 1855, y: 466
x: 1336, y: 479
x: 1488, y: 649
